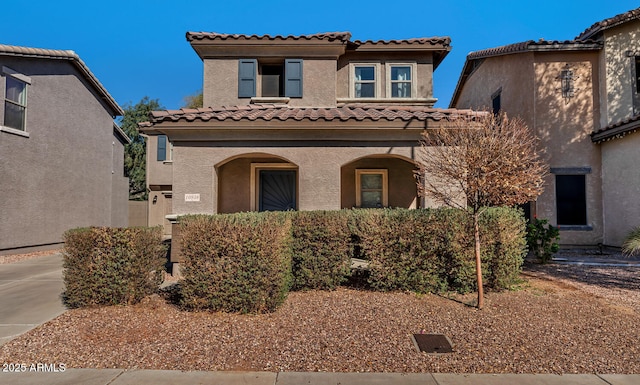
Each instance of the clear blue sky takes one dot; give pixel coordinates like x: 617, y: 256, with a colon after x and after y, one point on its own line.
x: 137, y: 48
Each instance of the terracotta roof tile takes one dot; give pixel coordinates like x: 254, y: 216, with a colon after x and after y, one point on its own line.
x: 342, y: 36
x: 609, y: 23
x: 444, y: 40
x: 531, y: 45
x: 616, y: 130
x: 357, y: 112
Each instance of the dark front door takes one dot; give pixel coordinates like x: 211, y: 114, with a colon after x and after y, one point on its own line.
x: 277, y: 190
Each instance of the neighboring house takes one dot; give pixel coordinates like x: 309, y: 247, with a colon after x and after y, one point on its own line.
x: 312, y: 122
x: 582, y: 98
x: 61, y: 153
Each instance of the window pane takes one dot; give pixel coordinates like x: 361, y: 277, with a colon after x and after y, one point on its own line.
x: 365, y: 73
x: 571, y: 199
x: 13, y: 116
x: 371, y: 199
x: 365, y: 90
x: 401, y: 73
x: 371, y: 181
x: 401, y: 90
x: 16, y: 90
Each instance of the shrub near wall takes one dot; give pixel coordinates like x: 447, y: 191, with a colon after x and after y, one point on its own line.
x: 110, y: 266
x: 322, y: 249
x: 431, y: 250
x: 235, y: 263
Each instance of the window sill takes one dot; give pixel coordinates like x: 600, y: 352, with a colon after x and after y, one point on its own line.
x: 167, y: 162
x: 575, y: 227
x: 270, y: 100
x: 13, y: 131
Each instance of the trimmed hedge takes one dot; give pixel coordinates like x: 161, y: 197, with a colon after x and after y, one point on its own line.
x: 235, y: 263
x: 322, y: 249
x: 112, y: 266
x: 431, y: 250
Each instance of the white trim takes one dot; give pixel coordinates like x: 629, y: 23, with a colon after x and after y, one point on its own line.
x: 385, y: 184
x: 376, y: 76
x: 390, y: 65
x: 255, y: 175
x: 13, y: 131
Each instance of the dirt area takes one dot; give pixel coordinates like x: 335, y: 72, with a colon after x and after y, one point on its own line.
x: 561, y: 319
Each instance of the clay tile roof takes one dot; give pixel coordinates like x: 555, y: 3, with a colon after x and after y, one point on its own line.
x: 330, y: 36
x: 10, y: 50
x: 282, y: 112
x: 444, y: 40
x: 531, y: 45
x: 609, y: 23
x: 616, y: 130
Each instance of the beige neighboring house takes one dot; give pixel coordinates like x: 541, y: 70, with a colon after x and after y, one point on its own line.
x: 61, y: 153
x: 311, y: 122
x: 582, y: 98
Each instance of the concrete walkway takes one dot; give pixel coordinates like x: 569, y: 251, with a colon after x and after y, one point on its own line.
x: 167, y: 377
x: 29, y: 295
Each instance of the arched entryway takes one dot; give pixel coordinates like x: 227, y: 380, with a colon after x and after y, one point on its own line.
x: 257, y: 182
x: 379, y: 181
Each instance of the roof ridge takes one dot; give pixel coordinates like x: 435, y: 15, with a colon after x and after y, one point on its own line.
x: 610, y: 22
x: 344, y: 36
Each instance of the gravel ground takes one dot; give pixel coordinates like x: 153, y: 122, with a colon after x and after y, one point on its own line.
x: 563, y: 319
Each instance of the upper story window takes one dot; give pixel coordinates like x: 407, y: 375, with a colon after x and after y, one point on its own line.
x: 400, y: 81
x: 15, y: 100
x: 275, y: 79
x: 637, y: 62
x: 364, y: 81
x: 164, y: 150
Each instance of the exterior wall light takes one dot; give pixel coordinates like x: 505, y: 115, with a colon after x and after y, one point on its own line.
x: 567, y: 79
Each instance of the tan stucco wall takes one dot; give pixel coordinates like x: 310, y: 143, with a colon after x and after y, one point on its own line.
x: 530, y: 89
x: 221, y: 83
x: 319, y: 172
x: 620, y: 187
x: 618, y: 89
x: 64, y: 174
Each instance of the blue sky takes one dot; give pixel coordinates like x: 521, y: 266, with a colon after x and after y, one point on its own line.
x: 137, y: 48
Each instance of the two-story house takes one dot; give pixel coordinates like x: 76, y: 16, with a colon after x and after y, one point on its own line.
x: 312, y: 122
x: 582, y: 98
x: 61, y: 153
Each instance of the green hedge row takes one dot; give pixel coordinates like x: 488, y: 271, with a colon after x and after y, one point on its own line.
x: 248, y: 262
x: 110, y: 266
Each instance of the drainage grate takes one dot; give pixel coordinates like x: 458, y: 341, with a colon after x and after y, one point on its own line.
x: 432, y: 343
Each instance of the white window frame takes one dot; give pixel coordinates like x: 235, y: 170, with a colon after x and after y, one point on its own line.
x: 255, y: 179
x: 385, y: 184
x: 352, y: 80
x: 8, y: 72
x: 412, y: 81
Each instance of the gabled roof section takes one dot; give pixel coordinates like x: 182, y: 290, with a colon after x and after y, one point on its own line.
x: 474, y: 58
x: 283, y: 112
x: 329, y: 36
x: 593, y: 31
x: 71, y: 56
x: 439, y: 46
x: 616, y: 130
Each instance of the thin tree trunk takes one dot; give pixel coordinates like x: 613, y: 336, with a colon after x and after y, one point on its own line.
x: 476, y: 234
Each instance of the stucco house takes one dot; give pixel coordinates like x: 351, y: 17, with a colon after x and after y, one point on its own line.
x: 582, y: 98
x: 61, y: 152
x: 311, y: 122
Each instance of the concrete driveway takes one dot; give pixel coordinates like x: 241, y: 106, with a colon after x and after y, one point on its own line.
x: 29, y: 294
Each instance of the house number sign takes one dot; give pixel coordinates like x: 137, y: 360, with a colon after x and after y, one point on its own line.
x: 192, y: 197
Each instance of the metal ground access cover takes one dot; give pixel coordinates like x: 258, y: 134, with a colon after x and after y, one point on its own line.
x: 432, y: 343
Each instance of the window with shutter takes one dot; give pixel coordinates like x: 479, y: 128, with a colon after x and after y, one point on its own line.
x: 162, y: 148
x: 247, y: 73
x: 293, y: 78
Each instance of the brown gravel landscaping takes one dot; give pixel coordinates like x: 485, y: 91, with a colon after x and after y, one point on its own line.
x: 562, y: 319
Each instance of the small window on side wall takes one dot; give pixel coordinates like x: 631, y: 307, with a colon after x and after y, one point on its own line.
x: 371, y: 188
x: 571, y: 200
x: 162, y: 148
x: 15, y: 99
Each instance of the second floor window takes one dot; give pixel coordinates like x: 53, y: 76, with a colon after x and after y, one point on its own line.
x: 400, y: 81
x: 365, y: 81
x: 15, y: 103
x: 276, y: 79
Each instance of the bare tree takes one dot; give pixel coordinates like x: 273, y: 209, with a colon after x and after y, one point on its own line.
x: 480, y: 161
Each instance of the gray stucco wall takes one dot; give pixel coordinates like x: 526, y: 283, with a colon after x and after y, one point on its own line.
x: 67, y: 173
